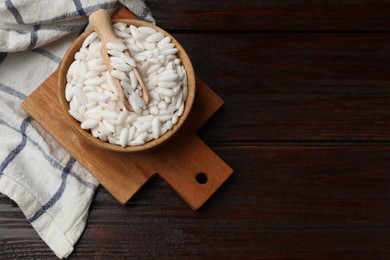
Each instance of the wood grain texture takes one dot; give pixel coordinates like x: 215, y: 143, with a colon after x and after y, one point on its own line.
x: 272, y: 15
x: 289, y: 199
x: 282, y: 202
x: 288, y: 87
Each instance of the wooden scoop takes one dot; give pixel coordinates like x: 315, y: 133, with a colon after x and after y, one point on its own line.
x: 101, y: 22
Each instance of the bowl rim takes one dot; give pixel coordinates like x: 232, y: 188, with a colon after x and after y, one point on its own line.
x: 86, y: 134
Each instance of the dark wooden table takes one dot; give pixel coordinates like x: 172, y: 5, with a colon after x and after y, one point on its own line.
x: 305, y: 126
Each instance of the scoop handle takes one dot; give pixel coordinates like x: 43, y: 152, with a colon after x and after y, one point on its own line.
x: 101, y: 22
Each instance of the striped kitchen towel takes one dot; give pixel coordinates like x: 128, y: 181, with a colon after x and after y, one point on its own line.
x: 51, y: 188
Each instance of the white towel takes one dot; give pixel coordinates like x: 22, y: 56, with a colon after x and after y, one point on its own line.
x: 51, y: 188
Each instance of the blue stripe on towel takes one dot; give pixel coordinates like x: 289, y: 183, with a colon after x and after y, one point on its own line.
x: 58, y: 193
x: 79, y: 7
x: 18, y: 148
x: 12, y: 91
x: 88, y: 10
x: 144, y: 13
x: 62, y: 28
x: 47, y: 54
x: 94, y: 8
x: 10, y: 6
x: 52, y: 162
x: 34, y: 36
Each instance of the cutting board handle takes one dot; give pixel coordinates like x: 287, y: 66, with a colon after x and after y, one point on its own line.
x: 196, y: 172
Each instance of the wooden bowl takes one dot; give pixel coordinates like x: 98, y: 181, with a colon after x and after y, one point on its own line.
x: 69, y: 58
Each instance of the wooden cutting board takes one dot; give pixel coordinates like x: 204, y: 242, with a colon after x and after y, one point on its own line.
x: 186, y: 163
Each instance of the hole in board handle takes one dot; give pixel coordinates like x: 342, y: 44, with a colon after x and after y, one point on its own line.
x: 201, y: 178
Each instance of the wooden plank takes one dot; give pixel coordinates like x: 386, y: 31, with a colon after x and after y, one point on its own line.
x: 282, y: 202
x: 295, y: 87
x: 271, y: 15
